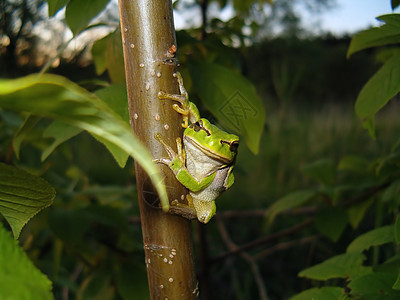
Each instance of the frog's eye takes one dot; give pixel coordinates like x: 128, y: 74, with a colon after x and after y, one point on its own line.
x: 234, y: 146
x: 196, y: 126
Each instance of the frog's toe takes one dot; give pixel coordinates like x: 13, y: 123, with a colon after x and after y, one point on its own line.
x: 205, y: 210
x: 164, y: 161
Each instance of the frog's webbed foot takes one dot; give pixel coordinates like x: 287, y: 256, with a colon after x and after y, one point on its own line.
x: 182, y: 209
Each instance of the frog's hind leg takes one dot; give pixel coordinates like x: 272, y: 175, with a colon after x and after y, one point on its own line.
x: 184, y: 110
x: 183, y: 99
x: 182, y: 89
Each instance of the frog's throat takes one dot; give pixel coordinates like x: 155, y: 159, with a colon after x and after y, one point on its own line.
x: 223, y: 159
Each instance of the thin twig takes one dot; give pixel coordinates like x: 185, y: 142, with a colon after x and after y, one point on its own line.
x: 366, y: 194
x: 263, y: 240
x: 74, y: 276
x: 48, y: 64
x: 302, y: 210
x: 263, y: 212
x: 254, y: 267
x: 285, y: 245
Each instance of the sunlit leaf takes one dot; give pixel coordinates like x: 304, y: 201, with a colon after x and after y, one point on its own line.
x: 232, y: 99
x: 388, y: 33
x: 79, y: 13
x: 58, y: 98
x: 375, y: 237
x: 22, y: 196
x: 290, y: 201
x: 340, y: 266
x: 324, y: 293
x: 19, y: 278
x: 381, y: 87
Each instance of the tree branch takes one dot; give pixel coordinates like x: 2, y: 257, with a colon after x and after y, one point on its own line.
x: 251, y: 261
x: 263, y: 240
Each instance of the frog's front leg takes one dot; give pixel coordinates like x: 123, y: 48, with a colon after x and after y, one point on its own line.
x: 176, y: 162
x: 188, y: 110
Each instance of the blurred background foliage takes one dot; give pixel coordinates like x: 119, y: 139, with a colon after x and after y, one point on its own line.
x: 318, y: 182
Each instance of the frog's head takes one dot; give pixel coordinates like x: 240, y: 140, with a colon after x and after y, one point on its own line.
x: 212, y: 141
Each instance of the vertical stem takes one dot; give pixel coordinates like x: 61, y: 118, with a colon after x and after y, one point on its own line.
x: 147, y: 35
x: 204, y: 7
x: 204, y: 273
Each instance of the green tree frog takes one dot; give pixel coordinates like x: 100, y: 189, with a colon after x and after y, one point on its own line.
x: 204, y: 162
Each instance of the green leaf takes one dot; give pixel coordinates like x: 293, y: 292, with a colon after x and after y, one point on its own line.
x: 377, y: 285
x: 59, y: 132
x: 23, y: 132
x: 397, y: 230
x: 392, y: 193
x: 115, y: 96
x: 132, y: 282
x: 19, y: 278
x: 58, y: 98
x: 98, y: 286
x: 396, y: 285
x: 331, y: 222
x: 232, y: 99
x: 290, y: 201
x: 79, y: 13
x: 340, y: 266
x: 381, y: 87
x: 55, y: 5
x: 108, y: 55
x: 386, y: 34
x: 353, y: 163
x: 99, y: 55
x: 70, y: 226
x: 322, y: 171
x: 395, y: 4
x: 357, y: 212
x: 324, y: 293
x: 375, y: 237
x: 22, y: 196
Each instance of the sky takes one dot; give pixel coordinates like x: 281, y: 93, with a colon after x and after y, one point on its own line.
x: 354, y: 15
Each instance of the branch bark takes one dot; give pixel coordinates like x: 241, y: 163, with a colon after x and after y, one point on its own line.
x: 148, y: 38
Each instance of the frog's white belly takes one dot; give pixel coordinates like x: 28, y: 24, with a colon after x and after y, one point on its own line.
x: 198, y: 163
x: 199, y: 166
x: 216, y: 187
